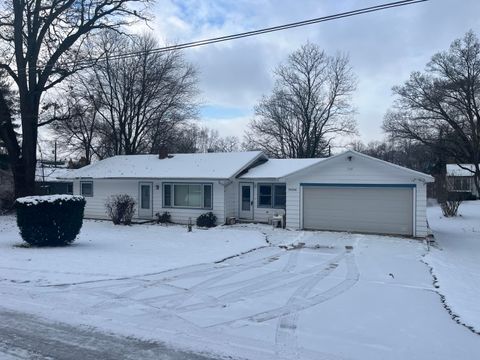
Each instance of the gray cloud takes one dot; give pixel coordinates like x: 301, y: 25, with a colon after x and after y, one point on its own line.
x: 384, y: 47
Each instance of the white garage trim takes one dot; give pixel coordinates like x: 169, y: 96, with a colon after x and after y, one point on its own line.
x: 410, y: 205
x: 358, y: 185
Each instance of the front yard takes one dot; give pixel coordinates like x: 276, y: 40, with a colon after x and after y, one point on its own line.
x: 105, y: 251
x: 455, y: 261
x: 338, y: 296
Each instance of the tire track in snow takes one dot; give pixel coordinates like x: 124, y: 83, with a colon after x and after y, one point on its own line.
x: 302, y: 304
x: 286, y: 334
x: 206, y: 284
x: 292, y: 261
x: 263, y: 285
x: 179, y: 297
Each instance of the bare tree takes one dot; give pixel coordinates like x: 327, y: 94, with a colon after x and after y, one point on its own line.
x: 441, y: 106
x: 193, y: 138
x: 42, y: 42
x: 77, y: 132
x: 129, y: 105
x: 140, y: 101
x: 309, y: 107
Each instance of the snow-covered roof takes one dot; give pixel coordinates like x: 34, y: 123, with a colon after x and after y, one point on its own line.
x: 52, y: 174
x: 278, y: 168
x: 176, y: 166
x: 456, y: 170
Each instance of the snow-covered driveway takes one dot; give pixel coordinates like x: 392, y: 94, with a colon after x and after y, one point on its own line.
x: 339, y: 296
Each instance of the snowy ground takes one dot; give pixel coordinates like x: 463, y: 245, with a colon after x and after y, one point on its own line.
x: 340, y: 296
x: 104, y: 251
x: 456, y: 261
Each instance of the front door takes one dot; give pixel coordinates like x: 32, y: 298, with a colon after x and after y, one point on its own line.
x: 145, y: 206
x: 246, y: 201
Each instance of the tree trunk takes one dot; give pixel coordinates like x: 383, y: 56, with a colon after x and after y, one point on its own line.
x: 21, y: 188
x: 9, y: 137
x: 29, y: 109
x: 440, y: 176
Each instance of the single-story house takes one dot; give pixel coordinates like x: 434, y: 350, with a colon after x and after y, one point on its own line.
x: 460, y: 179
x: 346, y: 192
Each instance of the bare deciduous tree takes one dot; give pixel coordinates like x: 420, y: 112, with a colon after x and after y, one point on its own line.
x: 441, y: 106
x: 77, y: 131
x: 309, y: 108
x: 193, y: 138
x: 131, y: 105
x: 42, y: 42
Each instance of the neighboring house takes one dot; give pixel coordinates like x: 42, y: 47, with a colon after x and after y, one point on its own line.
x: 346, y: 192
x: 48, y: 180
x: 460, y: 178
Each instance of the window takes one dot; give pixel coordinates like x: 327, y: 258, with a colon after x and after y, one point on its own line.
x: 145, y: 196
x: 280, y: 196
x: 86, y: 188
x: 272, y: 195
x: 69, y: 188
x: 199, y: 196
x: 207, y: 196
x: 167, y: 195
x: 461, y: 183
x: 264, y: 195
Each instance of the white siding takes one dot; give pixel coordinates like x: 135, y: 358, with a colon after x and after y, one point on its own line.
x: 294, y: 204
x: 231, y: 199
x: 357, y: 171
x: 421, y: 210
x: 103, y: 188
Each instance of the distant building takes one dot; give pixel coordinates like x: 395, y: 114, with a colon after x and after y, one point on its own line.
x: 460, y: 179
x: 47, y: 179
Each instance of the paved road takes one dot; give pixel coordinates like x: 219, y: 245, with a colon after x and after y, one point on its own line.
x: 23, y: 336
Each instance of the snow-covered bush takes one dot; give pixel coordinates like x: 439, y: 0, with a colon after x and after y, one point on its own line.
x: 207, y: 220
x: 50, y: 220
x: 121, y: 208
x: 450, y: 207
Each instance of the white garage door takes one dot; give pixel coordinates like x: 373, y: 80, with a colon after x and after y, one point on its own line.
x: 384, y: 210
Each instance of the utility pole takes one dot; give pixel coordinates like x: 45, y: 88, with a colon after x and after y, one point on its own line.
x: 55, y: 155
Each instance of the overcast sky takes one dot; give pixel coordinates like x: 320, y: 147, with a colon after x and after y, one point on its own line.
x: 384, y: 47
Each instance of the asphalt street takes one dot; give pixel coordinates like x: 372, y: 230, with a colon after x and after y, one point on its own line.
x: 23, y: 336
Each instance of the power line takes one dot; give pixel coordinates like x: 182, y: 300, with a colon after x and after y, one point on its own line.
x: 241, y: 35
x: 214, y: 40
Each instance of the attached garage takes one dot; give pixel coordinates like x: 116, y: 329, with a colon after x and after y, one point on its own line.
x: 369, y: 208
x: 350, y: 192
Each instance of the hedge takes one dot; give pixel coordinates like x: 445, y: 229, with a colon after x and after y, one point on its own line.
x: 51, y: 220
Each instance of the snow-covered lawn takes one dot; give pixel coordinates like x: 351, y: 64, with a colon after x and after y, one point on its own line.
x: 338, y: 296
x: 456, y: 261
x: 105, y: 251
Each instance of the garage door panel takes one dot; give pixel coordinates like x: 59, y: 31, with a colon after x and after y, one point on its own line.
x: 375, y: 210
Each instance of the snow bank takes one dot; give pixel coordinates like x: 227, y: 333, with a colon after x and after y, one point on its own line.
x: 37, y: 199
